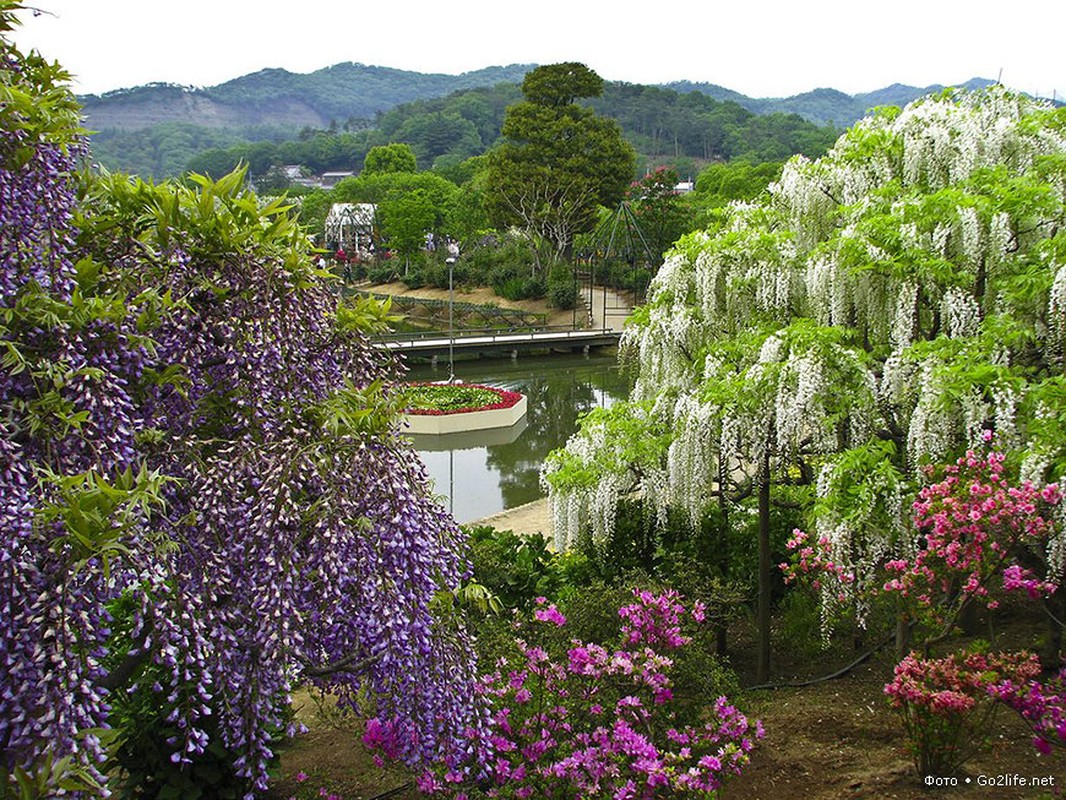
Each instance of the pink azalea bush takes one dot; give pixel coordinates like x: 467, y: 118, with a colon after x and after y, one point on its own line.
x: 975, y: 528
x: 974, y: 523
x: 981, y: 536
x: 581, y: 720
x: 947, y: 704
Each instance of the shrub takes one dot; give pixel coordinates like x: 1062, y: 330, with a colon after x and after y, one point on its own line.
x: 946, y: 705
x: 562, y: 288
x: 515, y: 568
x: 583, y: 719
x: 1041, y: 705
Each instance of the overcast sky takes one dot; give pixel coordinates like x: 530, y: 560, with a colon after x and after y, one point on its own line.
x: 765, y: 48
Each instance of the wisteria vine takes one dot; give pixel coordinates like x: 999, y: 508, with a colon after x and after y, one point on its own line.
x: 203, y: 493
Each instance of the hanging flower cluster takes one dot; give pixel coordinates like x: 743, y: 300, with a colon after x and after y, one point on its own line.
x: 203, y: 495
x: 885, y: 305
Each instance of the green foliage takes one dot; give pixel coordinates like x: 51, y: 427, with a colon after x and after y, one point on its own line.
x: 562, y: 287
x: 446, y: 397
x: 444, y: 120
x: 39, y: 780
x: 740, y: 179
x: 406, y: 218
x: 661, y: 215
x: 97, y: 514
x: 662, y: 123
x: 559, y: 85
x: 49, y: 113
x: 376, y: 188
x: 559, y: 162
x: 518, y: 569
x: 395, y: 157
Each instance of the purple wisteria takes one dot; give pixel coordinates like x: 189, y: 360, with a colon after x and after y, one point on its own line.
x: 202, y: 494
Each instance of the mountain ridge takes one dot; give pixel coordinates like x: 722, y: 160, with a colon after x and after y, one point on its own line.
x: 276, y: 97
x: 351, y: 90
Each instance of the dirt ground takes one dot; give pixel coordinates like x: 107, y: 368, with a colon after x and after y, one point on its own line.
x: 828, y: 742
x: 837, y: 740
x: 842, y: 740
x: 481, y: 295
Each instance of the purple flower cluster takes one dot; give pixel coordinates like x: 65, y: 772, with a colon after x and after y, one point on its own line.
x: 583, y: 720
x: 1042, y: 705
x: 64, y: 410
x: 186, y: 425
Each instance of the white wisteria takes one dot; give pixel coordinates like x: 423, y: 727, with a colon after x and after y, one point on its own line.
x: 903, y: 293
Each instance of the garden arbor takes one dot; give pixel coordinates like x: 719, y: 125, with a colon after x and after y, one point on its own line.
x: 350, y: 226
x: 887, y: 304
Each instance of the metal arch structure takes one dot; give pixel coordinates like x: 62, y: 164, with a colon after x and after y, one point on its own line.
x: 618, y: 239
x: 351, y: 226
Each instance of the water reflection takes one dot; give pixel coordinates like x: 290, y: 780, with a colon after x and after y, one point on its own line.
x: 479, y: 474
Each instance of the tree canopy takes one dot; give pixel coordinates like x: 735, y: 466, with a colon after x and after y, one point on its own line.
x: 558, y: 85
x: 395, y: 157
x: 559, y: 161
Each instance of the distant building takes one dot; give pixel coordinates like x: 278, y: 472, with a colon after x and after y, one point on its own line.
x: 685, y: 187
x: 331, y: 179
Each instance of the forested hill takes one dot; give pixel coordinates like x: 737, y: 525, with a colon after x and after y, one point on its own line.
x: 824, y: 106
x: 348, y: 92
x: 278, y: 98
x: 327, y: 120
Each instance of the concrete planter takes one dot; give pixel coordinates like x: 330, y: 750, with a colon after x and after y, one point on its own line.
x: 464, y: 421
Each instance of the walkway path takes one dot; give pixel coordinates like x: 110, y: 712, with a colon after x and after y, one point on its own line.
x: 609, y: 309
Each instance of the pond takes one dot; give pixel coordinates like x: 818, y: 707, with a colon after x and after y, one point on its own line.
x: 482, y: 473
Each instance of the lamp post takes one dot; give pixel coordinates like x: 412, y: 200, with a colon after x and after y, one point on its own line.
x: 453, y: 255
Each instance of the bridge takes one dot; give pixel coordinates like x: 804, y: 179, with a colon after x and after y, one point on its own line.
x: 433, y: 345
x: 512, y: 331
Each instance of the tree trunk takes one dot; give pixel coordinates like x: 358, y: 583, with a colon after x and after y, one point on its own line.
x: 903, y: 637
x: 721, y: 637
x: 762, y: 668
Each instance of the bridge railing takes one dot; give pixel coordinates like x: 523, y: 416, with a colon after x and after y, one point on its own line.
x: 472, y: 333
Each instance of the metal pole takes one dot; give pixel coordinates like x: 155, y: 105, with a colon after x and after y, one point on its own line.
x: 451, y: 323
x: 453, y: 255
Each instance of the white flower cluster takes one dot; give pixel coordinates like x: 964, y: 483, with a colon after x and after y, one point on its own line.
x: 871, y: 531
x: 692, y: 460
x: 960, y: 313
x: 931, y: 424
x: 890, y: 237
x: 1056, y: 315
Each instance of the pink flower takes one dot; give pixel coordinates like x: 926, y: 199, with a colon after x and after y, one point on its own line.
x: 550, y: 614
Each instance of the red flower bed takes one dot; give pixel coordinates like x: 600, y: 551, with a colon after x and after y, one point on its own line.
x: 453, y: 398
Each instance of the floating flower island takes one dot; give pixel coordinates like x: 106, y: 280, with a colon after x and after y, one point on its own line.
x: 435, y: 408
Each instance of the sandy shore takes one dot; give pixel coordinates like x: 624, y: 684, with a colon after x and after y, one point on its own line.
x: 529, y: 520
